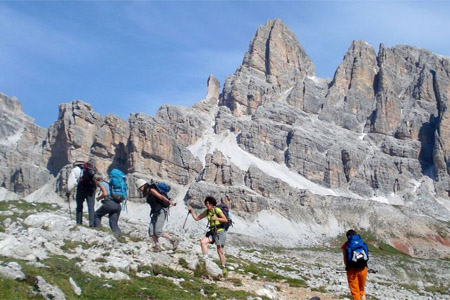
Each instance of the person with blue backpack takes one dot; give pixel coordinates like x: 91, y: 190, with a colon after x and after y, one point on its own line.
x: 159, y: 201
x: 356, y: 256
x: 111, y: 201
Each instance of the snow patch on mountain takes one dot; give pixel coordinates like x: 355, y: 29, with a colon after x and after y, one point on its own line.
x: 13, y: 139
x: 226, y: 143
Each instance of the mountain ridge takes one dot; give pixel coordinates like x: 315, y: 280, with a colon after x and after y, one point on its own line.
x: 376, y: 130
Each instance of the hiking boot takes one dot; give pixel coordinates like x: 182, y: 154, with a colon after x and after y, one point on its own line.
x: 224, y: 271
x: 121, y: 239
x: 157, y: 248
x: 175, y: 242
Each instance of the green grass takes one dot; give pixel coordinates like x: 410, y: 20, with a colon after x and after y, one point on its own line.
x: 262, y: 271
x: 296, y: 282
x: 70, y: 245
x: 182, y: 262
x: 380, y: 248
x: 158, y: 286
x: 23, y: 209
x: 319, y: 289
x: 200, y: 270
x: 442, y: 289
x: 235, y: 281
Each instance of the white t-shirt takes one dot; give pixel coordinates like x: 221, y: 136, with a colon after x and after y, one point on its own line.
x: 73, y: 179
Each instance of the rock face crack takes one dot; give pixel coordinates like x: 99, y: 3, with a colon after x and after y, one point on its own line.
x: 267, y: 54
x: 346, y: 163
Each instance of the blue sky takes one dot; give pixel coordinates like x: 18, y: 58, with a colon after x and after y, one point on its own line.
x: 125, y: 57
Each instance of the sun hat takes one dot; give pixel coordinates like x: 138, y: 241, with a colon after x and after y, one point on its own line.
x: 140, y: 182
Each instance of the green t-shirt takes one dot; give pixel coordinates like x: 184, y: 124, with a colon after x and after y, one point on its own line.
x: 214, y: 224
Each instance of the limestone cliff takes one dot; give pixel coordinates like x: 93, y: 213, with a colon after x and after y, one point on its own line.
x: 368, y: 148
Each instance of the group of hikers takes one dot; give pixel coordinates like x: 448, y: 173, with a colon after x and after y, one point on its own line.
x: 112, y: 193
x: 88, y: 181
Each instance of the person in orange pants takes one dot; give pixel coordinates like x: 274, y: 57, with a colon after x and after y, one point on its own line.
x: 356, y: 281
x: 356, y: 275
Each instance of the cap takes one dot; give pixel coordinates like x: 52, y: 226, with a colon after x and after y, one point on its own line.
x: 140, y: 182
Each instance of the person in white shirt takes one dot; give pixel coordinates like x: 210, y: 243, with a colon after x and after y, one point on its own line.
x: 81, y: 177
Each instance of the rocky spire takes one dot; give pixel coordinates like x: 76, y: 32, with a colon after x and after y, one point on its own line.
x: 212, y: 96
x: 274, y: 62
x: 351, y: 96
x: 276, y: 52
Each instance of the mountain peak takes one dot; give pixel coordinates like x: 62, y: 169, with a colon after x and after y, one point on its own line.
x: 276, y: 52
x: 274, y: 62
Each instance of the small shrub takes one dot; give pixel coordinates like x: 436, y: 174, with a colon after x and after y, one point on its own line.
x: 70, y: 245
x: 100, y: 259
x: 183, y: 262
x: 235, y: 281
x: 200, y: 270
x: 110, y: 269
x: 296, y: 282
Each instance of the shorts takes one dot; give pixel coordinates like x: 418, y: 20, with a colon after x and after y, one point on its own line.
x: 157, y: 223
x: 218, y: 238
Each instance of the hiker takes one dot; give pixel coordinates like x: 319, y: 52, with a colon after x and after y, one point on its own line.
x: 216, y: 233
x: 159, y: 205
x: 356, y: 255
x: 81, y: 176
x: 109, y: 206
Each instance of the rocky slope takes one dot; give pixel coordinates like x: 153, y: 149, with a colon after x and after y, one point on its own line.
x: 302, y: 158
x: 43, y: 254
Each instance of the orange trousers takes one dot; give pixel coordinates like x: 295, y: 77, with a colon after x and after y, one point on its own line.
x: 356, y: 281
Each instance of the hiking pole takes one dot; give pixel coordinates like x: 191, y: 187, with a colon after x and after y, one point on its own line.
x: 185, y: 220
x: 68, y: 201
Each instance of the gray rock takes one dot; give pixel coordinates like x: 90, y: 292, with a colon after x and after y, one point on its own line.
x: 49, y: 291
x: 76, y: 289
x: 12, y: 270
x: 213, y: 269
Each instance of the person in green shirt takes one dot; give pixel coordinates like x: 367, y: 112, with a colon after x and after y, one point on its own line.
x: 216, y: 233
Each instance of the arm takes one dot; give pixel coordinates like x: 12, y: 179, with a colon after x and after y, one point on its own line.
x: 161, y: 197
x: 194, y: 216
x: 222, y: 218
x: 104, y: 193
x: 344, y: 254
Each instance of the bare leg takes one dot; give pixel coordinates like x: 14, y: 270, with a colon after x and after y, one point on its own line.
x: 204, y: 243
x: 221, y: 255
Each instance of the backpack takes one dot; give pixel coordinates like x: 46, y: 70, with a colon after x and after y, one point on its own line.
x: 224, y: 208
x: 118, y: 185
x: 87, y: 177
x: 155, y: 203
x: 163, y: 189
x: 357, y: 252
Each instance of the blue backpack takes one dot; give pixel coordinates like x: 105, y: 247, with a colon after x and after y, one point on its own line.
x: 163, y: 189
x: 357, y: 252
x: 118, y: 186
